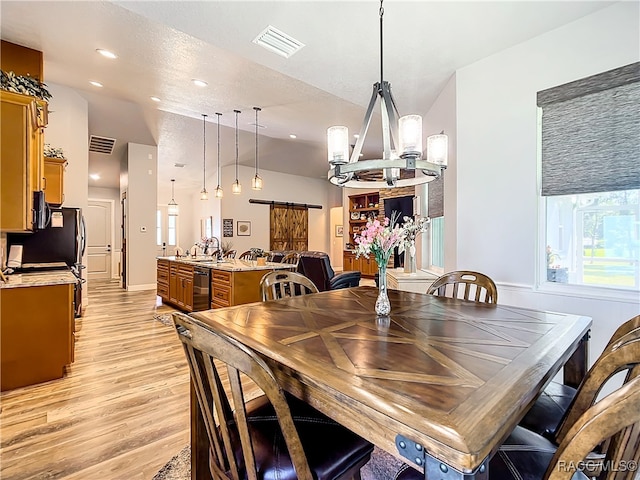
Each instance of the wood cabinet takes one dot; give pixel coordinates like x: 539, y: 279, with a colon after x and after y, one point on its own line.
x: 235, y: 288
x: 36, y: 334
x: 23, y: 119
x: 180, y: 285
x: 54, y: 180
x: 362, y: 208
x: 163, y: 279
x: 367, y: 266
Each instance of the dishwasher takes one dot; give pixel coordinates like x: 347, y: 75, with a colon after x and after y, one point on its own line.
x: 201, y: 288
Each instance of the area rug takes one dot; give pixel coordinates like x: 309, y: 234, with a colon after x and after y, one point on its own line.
x: 164, y: 318
x: 382, y: 466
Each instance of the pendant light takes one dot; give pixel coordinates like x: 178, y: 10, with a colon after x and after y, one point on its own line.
x: 256, y: 182
x: 204, y: 195
x: 236, y: 188
x: 172, y: 207
x: 219, y: 192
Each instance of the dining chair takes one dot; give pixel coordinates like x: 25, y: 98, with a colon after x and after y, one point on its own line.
x: 477, y: 286
x: 292, y: 258
x: 248, y: 255
x: 558, y: 401
x: 270, y: 436
x: 280, y: 284
x: 231, y: 254
x: 527, y: 455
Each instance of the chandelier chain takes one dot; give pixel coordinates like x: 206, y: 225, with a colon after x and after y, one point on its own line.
x: 381, y: 52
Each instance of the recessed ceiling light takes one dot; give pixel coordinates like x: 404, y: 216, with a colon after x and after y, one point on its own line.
x: 96, y: 84
x: 199, y: 83
x: 106, y: 53
x: 293, y: 135
x: 155, y: 99
x: 356, y: 135
x: 95, y: 176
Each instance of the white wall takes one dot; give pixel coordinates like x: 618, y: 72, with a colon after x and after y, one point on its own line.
x: 141, y: 215
x: 277, y: 187
x: 497, y: 166
x: 69, y: 129
x: 442, y: 117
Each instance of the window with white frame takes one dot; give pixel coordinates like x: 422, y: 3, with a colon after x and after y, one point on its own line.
x: 433, y: 239
x: 590, y: 139
x: 166, y: 228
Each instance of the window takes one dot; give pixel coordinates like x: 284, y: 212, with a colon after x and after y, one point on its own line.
x: 594, y: 239
x: 433, y: 239
x: 166, y: 228
x: 590, y: 145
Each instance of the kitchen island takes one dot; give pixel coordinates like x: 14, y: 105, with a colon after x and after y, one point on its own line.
x: 37, y: 330
x: 185, y: 281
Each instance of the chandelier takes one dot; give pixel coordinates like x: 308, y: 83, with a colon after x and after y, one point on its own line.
x: 172, y: 206
x: 402, y: 146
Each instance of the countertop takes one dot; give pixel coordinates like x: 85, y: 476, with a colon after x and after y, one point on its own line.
x: 39, y: 279
x: 230, y: 265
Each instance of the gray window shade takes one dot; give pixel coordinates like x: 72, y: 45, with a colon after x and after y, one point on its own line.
x: 436, y: 198
x: 591, y: 134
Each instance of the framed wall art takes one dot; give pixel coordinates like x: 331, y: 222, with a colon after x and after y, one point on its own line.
x: 339, y: 230
x: 227, y: 227
x: 244, y: 228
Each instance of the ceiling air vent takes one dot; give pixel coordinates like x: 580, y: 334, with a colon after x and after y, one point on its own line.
x: 101, y: 144
x: 278, y: 42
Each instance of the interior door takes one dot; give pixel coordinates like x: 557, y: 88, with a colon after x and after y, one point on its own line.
x: 99, y: 222
x: 289, y: 228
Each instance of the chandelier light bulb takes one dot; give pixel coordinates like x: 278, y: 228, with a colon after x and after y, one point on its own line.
x: 410, y: 132
x: 338, y: 145
x: 437, y: 149
x: 204, y: 195
x: 219, y: 192
x: 236, y: 188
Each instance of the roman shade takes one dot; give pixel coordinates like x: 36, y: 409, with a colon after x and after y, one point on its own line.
x: 435, y: 198
x: 591, y: 133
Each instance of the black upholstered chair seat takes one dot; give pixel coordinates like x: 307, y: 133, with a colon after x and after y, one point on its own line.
x: 317, y: 267
x: 547, y: 412
x: 327, y: 445
x: 524, y: 455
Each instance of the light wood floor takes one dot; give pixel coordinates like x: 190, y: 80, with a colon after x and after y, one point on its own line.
x: 121, y: 412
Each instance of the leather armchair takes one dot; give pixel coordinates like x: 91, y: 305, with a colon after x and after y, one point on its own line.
x: 317, y: 267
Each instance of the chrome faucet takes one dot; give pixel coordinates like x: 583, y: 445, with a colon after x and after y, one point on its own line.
x: 217, y: 250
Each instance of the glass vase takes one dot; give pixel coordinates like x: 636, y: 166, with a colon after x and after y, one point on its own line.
x: 383, y: 307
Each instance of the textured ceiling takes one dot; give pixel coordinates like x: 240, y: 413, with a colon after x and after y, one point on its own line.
x: 162, y: 46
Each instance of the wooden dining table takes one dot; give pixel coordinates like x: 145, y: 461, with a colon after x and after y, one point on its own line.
x: 439, y: 383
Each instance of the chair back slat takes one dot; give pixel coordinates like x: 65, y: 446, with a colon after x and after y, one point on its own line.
x: 207, y: 353
x: 616, y: 414
x: 623, y: 357
x: 279, y: 284
x: 466, y: 285
x: 248, y: 255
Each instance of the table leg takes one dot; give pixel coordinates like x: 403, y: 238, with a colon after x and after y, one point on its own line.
x: 434, y: 468
x: 199, y: 441
x: 576, y: 367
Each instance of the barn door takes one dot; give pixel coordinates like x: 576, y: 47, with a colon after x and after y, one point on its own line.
x: 289, y: 228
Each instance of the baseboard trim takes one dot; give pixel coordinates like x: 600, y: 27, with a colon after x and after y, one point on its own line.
x: 139, y: 288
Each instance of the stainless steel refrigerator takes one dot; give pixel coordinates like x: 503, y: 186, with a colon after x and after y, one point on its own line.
x: 60, y: 245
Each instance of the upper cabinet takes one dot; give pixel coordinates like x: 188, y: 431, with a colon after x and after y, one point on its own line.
x: 362, y: 208
x: 54, y: 180
x: 23, y: 119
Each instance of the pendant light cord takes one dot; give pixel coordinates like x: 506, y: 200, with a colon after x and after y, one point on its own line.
x: 257, y: 109
x: 204, y: 152
x: 237, y: 112
x: 218, y: 114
